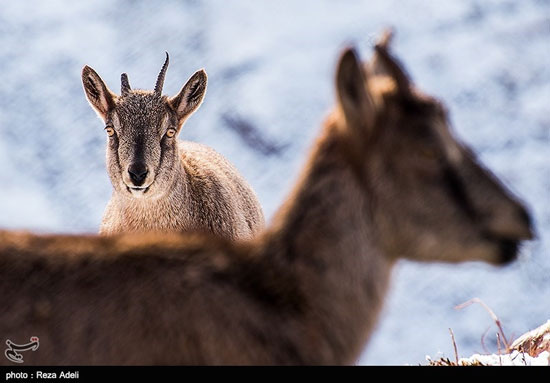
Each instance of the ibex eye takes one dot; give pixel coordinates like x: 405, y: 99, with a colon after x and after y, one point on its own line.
x: 170, y: 133
x: 110, y: 131
x: 429, y: 153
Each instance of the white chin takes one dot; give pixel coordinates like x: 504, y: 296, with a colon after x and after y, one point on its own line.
x: 138, y: 192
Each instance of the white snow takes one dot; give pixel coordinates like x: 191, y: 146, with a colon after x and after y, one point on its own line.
x: 272, y: 64
x: 516, y: 358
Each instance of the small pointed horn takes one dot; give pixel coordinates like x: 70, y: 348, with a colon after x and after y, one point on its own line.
x: 385, y: 62
x: 124, y: 84
x: 160, y: 78
x: 386, y: 38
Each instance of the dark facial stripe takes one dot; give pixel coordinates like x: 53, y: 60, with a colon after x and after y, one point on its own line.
x: 139, y: 149
x: 457, y: 191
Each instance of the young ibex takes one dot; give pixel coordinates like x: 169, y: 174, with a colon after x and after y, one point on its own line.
x: 386, y: 180
x: 159, y: 183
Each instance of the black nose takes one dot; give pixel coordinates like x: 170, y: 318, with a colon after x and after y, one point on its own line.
x: 138, y: 171
x: 508, y: 251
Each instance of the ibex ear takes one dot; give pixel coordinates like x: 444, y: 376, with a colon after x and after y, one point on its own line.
x: 355, y: 101
x: 97, y: 93
x: 190, y: 96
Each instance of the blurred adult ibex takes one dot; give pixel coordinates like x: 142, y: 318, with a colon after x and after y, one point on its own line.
x: 385, y: 180
x: 159, y: 183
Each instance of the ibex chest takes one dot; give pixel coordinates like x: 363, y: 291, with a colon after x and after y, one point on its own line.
x: 123, y: 216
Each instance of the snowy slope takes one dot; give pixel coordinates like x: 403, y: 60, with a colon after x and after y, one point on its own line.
x: 270, y: 67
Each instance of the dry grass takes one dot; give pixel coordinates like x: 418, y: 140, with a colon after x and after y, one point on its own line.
x: 532, y: 343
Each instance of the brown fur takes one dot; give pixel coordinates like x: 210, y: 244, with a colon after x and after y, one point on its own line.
x: 188, y: 186
x: 306, y: 291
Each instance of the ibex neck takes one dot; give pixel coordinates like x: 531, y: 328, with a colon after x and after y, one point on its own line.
x: 327, y: 239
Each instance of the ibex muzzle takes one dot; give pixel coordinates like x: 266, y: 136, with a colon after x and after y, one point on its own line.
x: 138, y: 172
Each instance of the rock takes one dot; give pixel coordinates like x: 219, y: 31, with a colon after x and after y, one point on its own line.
x: 534, y: 342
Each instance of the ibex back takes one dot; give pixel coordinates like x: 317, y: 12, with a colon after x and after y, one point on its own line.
x: 385, y: 180
x: 159, y: 183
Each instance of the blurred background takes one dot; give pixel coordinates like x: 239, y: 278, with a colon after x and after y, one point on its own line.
x: 271, y: 68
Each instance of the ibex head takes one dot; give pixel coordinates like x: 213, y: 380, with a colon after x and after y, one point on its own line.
x: 431, y: 198
x: 142, y: 128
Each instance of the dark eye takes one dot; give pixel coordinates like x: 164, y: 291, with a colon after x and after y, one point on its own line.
x: 170, y: 133
x: 110, y: 131
x: 428, y: 153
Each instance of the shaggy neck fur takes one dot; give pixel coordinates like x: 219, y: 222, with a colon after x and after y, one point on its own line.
x: 325, y: 234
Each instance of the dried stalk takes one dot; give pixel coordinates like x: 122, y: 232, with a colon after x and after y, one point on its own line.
x: 454, y: 345
x: 491, y: 313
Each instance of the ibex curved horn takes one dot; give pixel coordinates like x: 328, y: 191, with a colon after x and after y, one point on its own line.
x: 124, y: 84
x: 160, y: 78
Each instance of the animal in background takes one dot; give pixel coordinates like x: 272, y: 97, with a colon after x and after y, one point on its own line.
x: 160, y: 183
